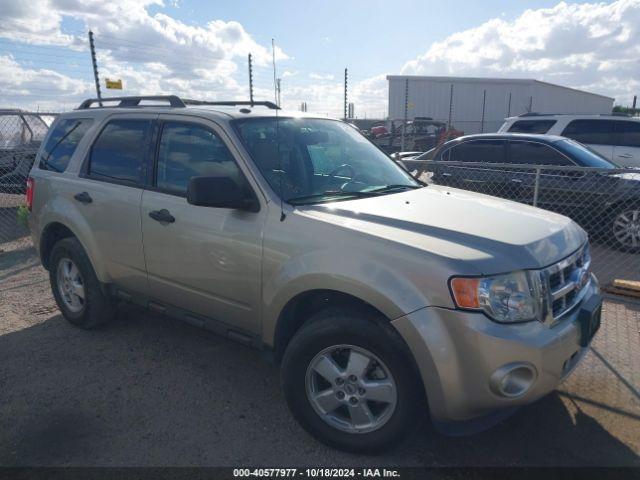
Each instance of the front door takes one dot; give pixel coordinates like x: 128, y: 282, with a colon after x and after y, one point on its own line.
x: 202, y: 259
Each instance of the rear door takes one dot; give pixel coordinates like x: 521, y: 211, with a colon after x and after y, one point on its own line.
x: 597, y: 134
x: 627, y: 149
x: 202, y: 259
x: 108, y: 193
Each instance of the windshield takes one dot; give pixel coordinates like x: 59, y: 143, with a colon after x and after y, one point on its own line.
x: 584, y: 155
x: 315, y: 160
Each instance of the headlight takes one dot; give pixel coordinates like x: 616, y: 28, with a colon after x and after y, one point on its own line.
x: 509, y: 298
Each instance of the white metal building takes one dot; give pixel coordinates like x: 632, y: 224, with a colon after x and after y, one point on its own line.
x: 465, y: 97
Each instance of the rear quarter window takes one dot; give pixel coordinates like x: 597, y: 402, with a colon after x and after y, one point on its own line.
x: 62, y: 143
x: 531, y: 126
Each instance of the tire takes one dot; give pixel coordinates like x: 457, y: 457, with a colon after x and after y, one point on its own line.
x: 624, y: 228
x: 339, y: 334
x: 95, y: 308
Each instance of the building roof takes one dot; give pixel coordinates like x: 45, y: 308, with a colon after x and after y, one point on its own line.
x: 524, y: 81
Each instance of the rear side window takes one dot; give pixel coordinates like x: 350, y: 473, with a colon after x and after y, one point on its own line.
x: 597, y: 132
x: 62, y: 143
x: 531, y: 153
x: 628, y: 133
x: 478, y: 151
x: 532, y: 126
x: 189, y: 150
x: 119, y: 152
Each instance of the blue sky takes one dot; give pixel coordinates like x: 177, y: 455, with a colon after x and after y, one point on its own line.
x: 199, y: 48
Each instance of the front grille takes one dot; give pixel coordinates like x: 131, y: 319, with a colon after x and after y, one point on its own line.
x: 567, y: 282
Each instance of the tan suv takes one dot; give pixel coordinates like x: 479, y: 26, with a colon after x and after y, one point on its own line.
x: 380, y: 297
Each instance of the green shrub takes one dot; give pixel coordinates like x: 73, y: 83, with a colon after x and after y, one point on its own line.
x: 22, y: 215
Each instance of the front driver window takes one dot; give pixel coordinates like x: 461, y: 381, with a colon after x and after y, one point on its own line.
x: 189, y: 150
x: 303, y: 157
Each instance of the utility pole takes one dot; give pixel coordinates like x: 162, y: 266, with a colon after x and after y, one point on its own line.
x: 95, y: 67
x: 344, y: 107
x: 635, y: 99
x: 509, y: 106
x: 279, y: 87
x: 450, y: 107
x: 250, y: 81
x: 406, y: 112
x: 484, y: 102
x: 275, y: 84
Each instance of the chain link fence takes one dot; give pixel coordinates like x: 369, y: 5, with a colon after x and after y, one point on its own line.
x: 605, y: 202
x: 21, y: 133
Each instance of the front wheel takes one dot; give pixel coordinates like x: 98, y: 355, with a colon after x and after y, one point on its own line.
x: 351, y: 383
x: 625, y: 228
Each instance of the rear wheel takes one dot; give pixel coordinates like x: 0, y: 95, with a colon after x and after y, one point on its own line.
x: 75, y: 286
x: 350, y: 381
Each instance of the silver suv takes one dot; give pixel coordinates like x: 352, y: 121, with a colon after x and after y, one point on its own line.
x: 379, y: 296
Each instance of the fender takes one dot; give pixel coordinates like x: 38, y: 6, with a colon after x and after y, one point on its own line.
x: 60, y: 210
x: 359, y: 275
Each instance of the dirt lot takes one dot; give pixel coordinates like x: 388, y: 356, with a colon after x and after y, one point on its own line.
x: 147, y: 390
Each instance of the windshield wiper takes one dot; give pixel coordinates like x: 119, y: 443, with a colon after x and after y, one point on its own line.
x: 389, y: 188
x: 330, y: 194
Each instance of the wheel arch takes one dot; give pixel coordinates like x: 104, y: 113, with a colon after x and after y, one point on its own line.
x: 301, y: 307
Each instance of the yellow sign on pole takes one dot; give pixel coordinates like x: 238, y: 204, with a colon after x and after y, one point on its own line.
x: 114, y: 84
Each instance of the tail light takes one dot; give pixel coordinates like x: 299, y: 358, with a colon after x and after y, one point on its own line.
x: 31, y: 186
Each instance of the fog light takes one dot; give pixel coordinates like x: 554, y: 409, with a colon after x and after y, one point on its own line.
x: 513, y: 380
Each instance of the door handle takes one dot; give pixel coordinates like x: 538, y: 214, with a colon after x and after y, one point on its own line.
x: 516, y: 180
x: 162, y: 216
x: 625, y: 155
x: 446, y: 174
x: 83, y: 197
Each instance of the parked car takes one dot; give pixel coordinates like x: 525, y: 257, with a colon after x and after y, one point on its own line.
x: 296, y: 235
x: 605, y: 202
x: 615, y: 137
x: 20, y: 136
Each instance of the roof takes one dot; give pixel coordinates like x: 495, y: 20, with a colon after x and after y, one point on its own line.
x: 175, y: 105
x: 524, y: 81
x: 514, y: 136
x: 579, y: 116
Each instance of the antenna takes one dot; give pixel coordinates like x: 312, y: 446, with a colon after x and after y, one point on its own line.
x: 275, y: 91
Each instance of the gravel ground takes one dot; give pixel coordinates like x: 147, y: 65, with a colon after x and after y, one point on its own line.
x: 150, y: 391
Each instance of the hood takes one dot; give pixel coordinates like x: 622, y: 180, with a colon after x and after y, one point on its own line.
x: 495, y: 235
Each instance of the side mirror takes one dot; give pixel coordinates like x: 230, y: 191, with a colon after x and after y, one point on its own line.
x: 219, y: 192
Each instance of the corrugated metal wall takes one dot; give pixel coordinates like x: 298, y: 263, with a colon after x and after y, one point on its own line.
x: 429, y: 97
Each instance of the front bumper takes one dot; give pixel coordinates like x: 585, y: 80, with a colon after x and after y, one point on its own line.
x: 457, y: 352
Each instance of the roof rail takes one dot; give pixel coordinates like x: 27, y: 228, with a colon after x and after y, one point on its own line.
x: 232, y: 103
x: 173, y: 101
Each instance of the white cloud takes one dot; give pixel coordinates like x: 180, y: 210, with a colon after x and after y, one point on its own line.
x: 152, y: 53
x: 319, y: 76
x: 593, y: 46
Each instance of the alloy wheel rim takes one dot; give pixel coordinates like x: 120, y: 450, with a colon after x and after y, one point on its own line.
x: 70, y: 285
x: 351, y: 389
x: 626, y: 228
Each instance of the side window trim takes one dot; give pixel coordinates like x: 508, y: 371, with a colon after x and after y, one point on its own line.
x: 155, y: 155
x: 85, y: 171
